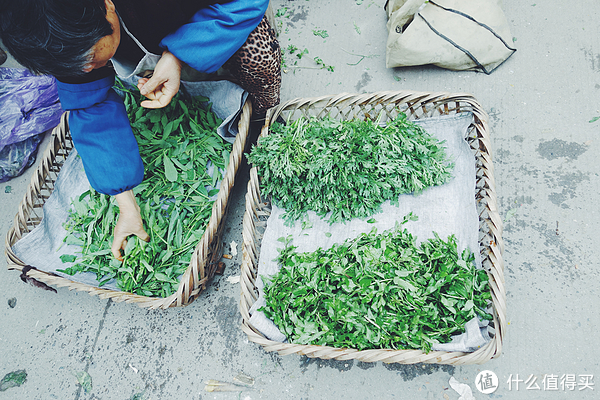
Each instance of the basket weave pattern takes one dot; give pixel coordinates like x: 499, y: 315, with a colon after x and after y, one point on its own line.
x: 206, y: 253
x: 416, y: 105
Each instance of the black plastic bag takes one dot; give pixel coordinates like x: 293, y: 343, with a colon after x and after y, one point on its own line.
x: 17, y: 157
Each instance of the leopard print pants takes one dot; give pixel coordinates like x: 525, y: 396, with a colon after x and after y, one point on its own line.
x: 257, y: 67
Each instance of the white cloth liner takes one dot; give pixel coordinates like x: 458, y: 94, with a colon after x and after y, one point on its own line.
x: 447, y: 209
x: 43, y: 246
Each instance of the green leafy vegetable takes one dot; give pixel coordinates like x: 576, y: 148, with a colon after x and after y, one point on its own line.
x: 321, y: 33
x: 67, y: 258
x: 302, y: 53
x: 292, y: 49
x: 346, y: 168
x: 13, y: 379
x: 176, y: 144
x: 377, y: 291
x: 320, y: 62
x: 281, y: 12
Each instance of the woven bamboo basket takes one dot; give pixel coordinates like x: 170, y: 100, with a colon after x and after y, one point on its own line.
x: 368, y: 106
x: 206, y: 254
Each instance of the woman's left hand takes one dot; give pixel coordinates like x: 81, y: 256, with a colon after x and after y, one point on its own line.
x: 129, y: 223
x: 164, y: 83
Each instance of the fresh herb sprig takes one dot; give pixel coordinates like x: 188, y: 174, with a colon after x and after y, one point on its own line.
x: 377, y: 291
x: 346, y: 168
x: 176, y: 145
x: 321, y: 33
x: 292, y: 49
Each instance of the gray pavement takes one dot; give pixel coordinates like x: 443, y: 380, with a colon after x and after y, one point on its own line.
x: 545, y: 153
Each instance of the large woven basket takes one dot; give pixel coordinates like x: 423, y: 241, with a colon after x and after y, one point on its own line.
x: 369, y: 106
x: 206, y: 254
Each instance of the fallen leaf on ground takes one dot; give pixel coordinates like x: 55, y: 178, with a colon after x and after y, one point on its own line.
x: 13, y: 379
x: 85, y: 380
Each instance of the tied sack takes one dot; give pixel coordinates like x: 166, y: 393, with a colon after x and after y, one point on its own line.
x: 452, y: 34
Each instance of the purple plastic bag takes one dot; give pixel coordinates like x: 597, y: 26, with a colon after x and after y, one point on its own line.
x: 29, y: 106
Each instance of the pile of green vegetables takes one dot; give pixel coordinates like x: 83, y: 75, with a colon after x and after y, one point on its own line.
x: 176, y: 144
x: 377, y: 291
x: 346, y: 168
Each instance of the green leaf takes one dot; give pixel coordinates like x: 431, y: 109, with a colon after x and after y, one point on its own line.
x: 85, y: 380
x: 170, y: 170
x: 404, y: 284
x: 449, y: 303
x: 72, y: 240
x: 161, y: 277
x: 510, y: 213
x: 130, y: 245
x: 306, y: 224
x: 468, y: 305
x: 13, y: 379
x: 168, y: 254
x: 67, y: 258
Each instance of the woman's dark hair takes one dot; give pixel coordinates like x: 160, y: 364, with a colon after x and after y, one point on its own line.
x: 52, y: 37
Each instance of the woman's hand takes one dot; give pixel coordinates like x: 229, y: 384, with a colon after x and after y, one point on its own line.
x: 129, y: 223
x: 164, y: 83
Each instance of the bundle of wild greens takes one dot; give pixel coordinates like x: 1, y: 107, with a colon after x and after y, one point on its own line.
x: 348, y: 168
x: 176, y: 144
x: 377, y: 291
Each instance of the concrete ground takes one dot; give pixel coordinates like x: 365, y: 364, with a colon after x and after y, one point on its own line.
x: 541, y: 103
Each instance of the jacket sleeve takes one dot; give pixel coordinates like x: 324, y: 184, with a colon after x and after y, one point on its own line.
x: 102, y: 135
x: 215, y: 33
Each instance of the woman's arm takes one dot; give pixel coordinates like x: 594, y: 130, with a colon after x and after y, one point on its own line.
x: 215, y: 33
x: 103, y: 138
x: 211, y: 37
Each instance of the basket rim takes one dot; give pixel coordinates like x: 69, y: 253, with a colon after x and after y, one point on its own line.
x: 192, y: 281
x: 494, y: 248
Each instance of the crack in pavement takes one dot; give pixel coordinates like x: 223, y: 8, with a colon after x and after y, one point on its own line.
x: 89, y: 361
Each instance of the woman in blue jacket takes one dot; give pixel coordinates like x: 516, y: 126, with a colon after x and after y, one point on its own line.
x: 83, y: 43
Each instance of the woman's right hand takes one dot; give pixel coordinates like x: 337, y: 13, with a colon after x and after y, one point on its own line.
x: 164, y: 83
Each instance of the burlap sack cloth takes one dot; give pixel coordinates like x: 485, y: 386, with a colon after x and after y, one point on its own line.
x: 452, y: 34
